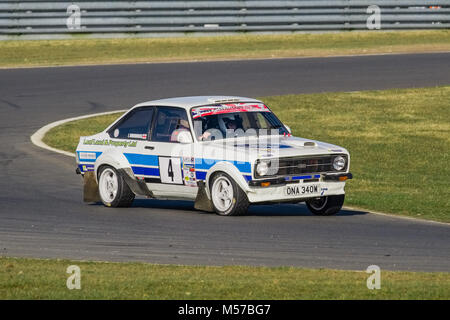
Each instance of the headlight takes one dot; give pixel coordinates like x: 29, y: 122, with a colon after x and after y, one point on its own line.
x: 339, y: 163
x: 262, y: 168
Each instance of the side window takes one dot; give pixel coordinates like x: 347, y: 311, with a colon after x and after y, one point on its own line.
x: 169, y: 121
x: 135, y: 125
x: 261, y: 121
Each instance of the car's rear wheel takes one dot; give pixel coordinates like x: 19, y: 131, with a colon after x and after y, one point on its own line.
x: 113, y: 190
x: 227, y: 197
x: 326, y: 206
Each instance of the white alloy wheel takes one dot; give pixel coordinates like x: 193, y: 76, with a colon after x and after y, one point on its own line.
x: 222, y: 194
x: 108, y: 185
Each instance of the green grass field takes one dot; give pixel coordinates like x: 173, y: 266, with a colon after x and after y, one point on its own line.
x: 399, y: 141
x: 46, y: 279
x: 24, y: 53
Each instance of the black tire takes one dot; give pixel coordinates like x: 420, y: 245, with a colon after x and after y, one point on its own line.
x: 326, y: 206
x: 239, y: 203
x: 123, y: 197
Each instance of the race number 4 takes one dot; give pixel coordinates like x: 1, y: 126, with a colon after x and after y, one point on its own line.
x: 170, y: 170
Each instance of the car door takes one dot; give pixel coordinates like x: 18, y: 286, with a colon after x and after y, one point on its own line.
x: 133, y: 131
x: 176, y: 177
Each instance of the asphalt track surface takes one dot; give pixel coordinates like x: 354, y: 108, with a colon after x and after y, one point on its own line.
x: 42, y: 215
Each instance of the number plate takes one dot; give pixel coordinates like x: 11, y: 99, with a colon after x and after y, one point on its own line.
x: 301, y: 189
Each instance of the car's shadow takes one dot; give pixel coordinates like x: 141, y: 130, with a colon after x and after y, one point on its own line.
x: 254, y: 210
x: 291, y: 210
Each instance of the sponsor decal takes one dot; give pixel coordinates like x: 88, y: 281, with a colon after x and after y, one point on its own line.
x: 137, y: 136
x: 88, y: 155
x: 86, y: 167
x: 228, y: 108
x: 109, y: 142
x: 189, y: 171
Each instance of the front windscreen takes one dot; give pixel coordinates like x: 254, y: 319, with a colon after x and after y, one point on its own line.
x: 235, y: 120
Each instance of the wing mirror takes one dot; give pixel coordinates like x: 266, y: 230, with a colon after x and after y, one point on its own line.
x: 184, y: 137
x: 288, y: 128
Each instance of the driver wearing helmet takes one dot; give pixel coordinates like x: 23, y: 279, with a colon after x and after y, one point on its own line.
x: 231, y: 124
x: 182, y: 125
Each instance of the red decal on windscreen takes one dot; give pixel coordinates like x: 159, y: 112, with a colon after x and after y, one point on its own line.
x: 228, y: 108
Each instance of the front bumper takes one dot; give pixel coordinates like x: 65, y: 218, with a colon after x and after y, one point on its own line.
x: 327, y: 185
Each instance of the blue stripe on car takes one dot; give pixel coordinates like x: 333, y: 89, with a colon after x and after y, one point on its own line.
x: 206, y: 164
x: 200, y: 175
x: 301, y: 177
x: 142, y: 159
x: 145, y: 171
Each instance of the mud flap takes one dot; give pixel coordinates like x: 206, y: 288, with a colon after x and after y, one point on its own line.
x: 202, y: 202
x: 137, y: 186
x: 90, y: 187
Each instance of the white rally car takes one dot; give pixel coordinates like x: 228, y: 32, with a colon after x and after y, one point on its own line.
x: 223, y: 152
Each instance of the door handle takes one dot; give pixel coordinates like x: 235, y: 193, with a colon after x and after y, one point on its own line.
x: 149, y: 147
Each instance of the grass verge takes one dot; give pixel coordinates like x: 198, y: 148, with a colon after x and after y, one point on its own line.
x: 399, y: 141
x: 46, y: 279
x: 25, y: 53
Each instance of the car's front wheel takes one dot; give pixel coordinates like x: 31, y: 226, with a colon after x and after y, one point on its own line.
x: 113, y: 190
x: 227, y: 197
x: 326, y: 206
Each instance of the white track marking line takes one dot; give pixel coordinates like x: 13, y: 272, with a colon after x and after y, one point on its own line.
x: 395, y: 216
x: 37, y: 137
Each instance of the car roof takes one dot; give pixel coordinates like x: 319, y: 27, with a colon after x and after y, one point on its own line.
x: 193, y: 101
